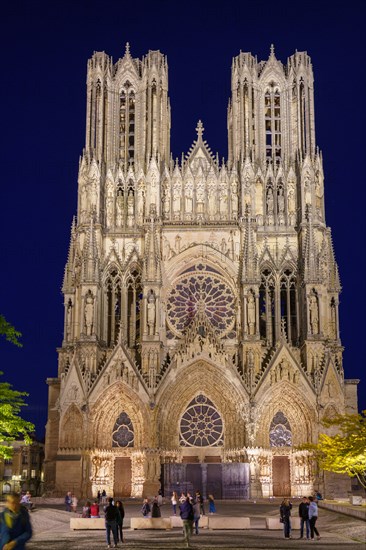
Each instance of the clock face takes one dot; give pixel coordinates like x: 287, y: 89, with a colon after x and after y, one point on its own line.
x: 202, y: 291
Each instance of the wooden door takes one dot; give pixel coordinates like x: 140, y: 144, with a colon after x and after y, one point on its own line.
x: 281, y: 476
x: 122, y: 477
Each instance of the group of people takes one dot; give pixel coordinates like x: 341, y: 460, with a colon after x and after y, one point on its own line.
x: 308, y: 513
x: 191, y: 510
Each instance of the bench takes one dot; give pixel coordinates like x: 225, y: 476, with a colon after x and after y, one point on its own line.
x: 226, y: 522
x: 87, y: 523
x: 151, y: 523
x: 274, y: 523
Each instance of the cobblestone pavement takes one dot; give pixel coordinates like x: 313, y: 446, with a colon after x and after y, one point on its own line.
x: 338, y: 532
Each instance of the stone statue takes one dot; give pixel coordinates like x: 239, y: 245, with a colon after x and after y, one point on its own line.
x: 189, y: 199
x: 314, y: 314
x: 281, y: 201
x: 89, y: 313
x: 151, y: 311
x: 130, y: 208
x: 176, y: 199
x: 269, y: 201
x: 234, y: 199
x: 251, y: 314
x: 68, y: 319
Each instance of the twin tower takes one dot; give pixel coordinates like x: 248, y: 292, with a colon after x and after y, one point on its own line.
x: 201, y: 331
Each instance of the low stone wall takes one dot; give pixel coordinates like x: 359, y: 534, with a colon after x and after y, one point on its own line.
x: 87, y: 523
x: 225, y: 522
x: 151, y: 523
x: 178, y: 522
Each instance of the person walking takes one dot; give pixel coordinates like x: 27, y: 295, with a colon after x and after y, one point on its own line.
x: 111, y: 514
x: 120, y: 519
x: 211, y: 504
x: 15, y: 526
x: 313, y: 516
x: 285, y: 515
x: 304, y: 518
x: 174, y: 501
x: 186, y: 513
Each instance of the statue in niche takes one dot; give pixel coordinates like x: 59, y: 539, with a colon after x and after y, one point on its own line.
x: 223, y: 246
x: 89, y: 313
x: 166, y: 202
x: 231, y: 245
x: 280, y: 201
x: 68, y: 319
x: 314, y: 314
x: 151, y: 312
x: 307, y: 189
x: 120, y: 206
x: 83, y: 202
x: 189, y: 198
x: 223, y: 203
x: 333, y: 320
x: 177, y: 200
x: 319, y: 192
x: 212, y: 203
x: 130, y: 208
x: 251, y: 313
x: 234, y: 199
x: 269, y: 201
x: 177, y: 243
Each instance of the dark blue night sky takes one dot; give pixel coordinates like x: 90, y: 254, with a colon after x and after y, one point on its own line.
x: 45, y: 47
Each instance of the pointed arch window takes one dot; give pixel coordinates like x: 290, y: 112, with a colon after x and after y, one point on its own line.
x: 114, y: 306
x: 267, y: 302
x: 280, y: 434
x: 201, y: 425
x: 127, y: 123
x: 123, y: 434
x: 272, y: 119
x: 288, y: 304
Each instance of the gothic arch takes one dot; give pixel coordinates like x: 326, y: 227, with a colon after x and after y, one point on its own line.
x: 110, y: 404
x: 71, y: 428
x: 297, y: 408
x: 200, y: 377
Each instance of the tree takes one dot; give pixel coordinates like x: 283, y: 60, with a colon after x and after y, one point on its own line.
x: 345, y: 452
x: 7, y: 330
x: 12, y: 426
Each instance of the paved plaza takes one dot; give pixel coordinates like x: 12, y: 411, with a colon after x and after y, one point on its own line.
x: 52, y: 532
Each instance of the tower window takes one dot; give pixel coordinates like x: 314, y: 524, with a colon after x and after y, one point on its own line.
x: 272, y: 118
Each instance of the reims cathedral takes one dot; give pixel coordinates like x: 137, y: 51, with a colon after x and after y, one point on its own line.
x: 201, y: 332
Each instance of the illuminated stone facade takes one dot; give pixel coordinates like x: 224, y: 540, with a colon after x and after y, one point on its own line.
x: 201, y: 333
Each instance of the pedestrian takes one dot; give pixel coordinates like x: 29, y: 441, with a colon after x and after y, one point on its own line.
x: 160, y: 498
x: 68, y: 501
x: 174, y: 501
x: 199, y: 497
x: 304, y: 518
x: 313, y: 516
x: 15, y: 526
x: 196, y: 515
x: 74, y: 503
x: 86, y: 512
x: 104, y: 496
x: 186, y: 513
x: 211, y: 504
x: 98, y: 497
x: 111, y: 514
x: 120, y: 519
x: 145, y: 510
x: 94, y: 510
x: 285, y: 515
x: 155, y: 510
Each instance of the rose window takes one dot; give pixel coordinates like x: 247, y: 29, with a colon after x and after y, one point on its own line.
x: 123, y: 432
x: 202, y: 292
x: 201, y: 425
x: 280, y: 431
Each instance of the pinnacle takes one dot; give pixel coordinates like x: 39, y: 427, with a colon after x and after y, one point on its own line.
x: 199, y: 129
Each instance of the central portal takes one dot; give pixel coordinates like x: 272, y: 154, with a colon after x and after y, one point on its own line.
x: 223, y: 481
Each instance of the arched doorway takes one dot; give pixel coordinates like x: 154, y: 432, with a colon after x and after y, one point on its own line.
x: 281, y: 476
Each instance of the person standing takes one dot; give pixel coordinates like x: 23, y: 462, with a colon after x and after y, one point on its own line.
x: 285, y: 515
x: 304, y: 517
x: 155, y: 510
x: 15, y: 526
x: 186, y: 513
x: 68, y: 501
x: 111, y: 514
x: 313, y: 516
x: 199, y: 497
x: 120, y: 519
x: 94, y: 510
x: 174, y: 501
x: 196, y: 515
x: 145, y: 510
x: 74, y: 503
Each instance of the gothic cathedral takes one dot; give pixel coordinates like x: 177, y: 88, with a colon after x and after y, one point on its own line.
x: 201, y: 332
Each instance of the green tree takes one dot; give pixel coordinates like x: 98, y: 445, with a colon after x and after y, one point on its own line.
x: 12, y: 426
x: 345, y: 452
x: 8, y: 331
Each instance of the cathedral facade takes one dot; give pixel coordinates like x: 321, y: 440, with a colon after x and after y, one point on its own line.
x: 201, y: 333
